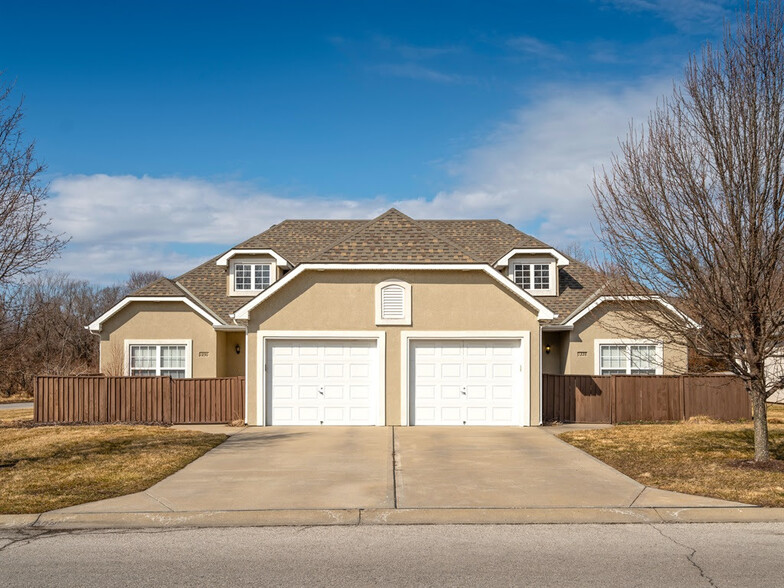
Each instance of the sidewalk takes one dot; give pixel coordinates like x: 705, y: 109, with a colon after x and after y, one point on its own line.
x: 386, y: 516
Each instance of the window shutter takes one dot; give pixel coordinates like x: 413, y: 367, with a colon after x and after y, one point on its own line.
x: 392, y: 301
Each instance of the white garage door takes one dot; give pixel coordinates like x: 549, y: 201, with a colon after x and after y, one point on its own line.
x: 322, y: 382
x: 466, y: 382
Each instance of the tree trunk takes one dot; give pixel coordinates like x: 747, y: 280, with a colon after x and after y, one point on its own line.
x: 758, y: 399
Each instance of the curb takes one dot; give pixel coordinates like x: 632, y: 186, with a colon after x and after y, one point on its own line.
x: 373, y: 516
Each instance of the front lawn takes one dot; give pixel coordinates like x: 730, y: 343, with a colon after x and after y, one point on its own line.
x: 43, y: 468
x: 703, y: 458
x: 15, y: 414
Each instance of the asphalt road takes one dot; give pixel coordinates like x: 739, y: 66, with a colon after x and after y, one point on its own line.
x: 539, y: 555
x: 15, y: 405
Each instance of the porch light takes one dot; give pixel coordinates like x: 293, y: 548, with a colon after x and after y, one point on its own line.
x: 237, y: 348
x: 546, y: 349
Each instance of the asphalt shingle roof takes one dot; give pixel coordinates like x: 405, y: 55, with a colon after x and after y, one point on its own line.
x: 392, y: 237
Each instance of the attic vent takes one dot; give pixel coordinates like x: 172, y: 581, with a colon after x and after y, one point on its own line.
x: 392, y: 302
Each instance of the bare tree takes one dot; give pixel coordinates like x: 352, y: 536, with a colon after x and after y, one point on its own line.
x: 577, y: 250
x: 693, y: 207
x: 26, y: 242
x: 42, y: 330
x: 140, y: 279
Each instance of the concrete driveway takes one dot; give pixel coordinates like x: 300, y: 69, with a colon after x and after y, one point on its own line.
x: 400, y: 467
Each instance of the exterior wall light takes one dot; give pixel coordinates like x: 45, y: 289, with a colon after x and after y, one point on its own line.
x: 237, y: 348
x: 546, y: 349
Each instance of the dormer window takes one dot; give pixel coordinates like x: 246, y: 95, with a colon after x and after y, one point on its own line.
x: 535, y: 276
x: 249, y: 277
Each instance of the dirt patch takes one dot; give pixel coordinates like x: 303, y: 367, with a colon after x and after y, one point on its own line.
x: 773, y: 465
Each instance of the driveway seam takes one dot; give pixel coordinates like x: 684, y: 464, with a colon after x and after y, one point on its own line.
x: 394, y: 469
x: 159, y: 501
x: 636, y: 498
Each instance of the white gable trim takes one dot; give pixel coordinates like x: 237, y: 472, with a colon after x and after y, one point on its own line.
x: 576, y: 317
x: 544, y: 313
x: 97, y: 324
x: 560, y: 259
x: 223, y: 260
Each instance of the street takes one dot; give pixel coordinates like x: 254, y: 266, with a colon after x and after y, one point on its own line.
x: 502, y: 555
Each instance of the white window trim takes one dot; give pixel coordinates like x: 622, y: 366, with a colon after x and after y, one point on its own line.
x: 405, y: 358
x: 597, y: 356
x: 406, y: 320
x: 261, y: 370
x: 553, y: 268
x: 188, y: 352
x: 253, y: 262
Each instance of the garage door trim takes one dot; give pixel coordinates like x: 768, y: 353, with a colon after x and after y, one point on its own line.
x: 261, y: 376
x: 405, y: 361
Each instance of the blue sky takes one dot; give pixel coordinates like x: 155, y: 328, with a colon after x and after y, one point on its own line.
x: 173, y: 130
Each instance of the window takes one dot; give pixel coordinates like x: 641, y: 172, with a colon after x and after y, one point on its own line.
x: 159, y: 359
x: 535, y: 277
x: 629, y: 358
x: 248, y: 277
x: 251, y: 276
x: 393, y: 303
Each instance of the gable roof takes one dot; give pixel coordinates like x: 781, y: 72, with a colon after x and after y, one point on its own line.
x: 392, y: 237
x: 160, y: 287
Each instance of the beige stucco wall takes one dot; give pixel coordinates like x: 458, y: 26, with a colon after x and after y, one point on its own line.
x: 230, y: 363
x: 151, y: 321
x: 345, y: 301
x: 608, y: 321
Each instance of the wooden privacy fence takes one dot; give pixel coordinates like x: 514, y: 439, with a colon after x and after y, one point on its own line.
x: 618, y: 399
x: 138, y: 399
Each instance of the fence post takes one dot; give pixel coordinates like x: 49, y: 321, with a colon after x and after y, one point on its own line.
x: 613, y: 411
x: 682, y: 396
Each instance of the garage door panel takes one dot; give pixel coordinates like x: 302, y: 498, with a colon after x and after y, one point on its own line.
x: 315, y: 382
x: 466, y: 382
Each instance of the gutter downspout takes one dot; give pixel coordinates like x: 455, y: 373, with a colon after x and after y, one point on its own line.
x: 541, y: 379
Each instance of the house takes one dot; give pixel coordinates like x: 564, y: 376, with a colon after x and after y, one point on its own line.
x: 390, y: 321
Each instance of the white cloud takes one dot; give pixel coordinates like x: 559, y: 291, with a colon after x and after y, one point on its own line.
x: 532, y: 171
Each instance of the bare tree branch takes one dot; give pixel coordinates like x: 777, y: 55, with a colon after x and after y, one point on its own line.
x: 692, y: 208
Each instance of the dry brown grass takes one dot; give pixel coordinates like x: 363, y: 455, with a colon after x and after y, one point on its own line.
x: 16, y: 398
x: 44, y: 468
x: 12, y: 415
x: 775, y: 414
x: 697, y: 457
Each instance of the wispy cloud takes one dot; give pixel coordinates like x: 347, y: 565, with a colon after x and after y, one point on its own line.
x: 415, y: 71
x: 687, y: 15
x: 415, y: 52
x: 534, y: 47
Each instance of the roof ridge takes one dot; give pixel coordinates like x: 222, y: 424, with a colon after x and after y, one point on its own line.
x: 347, y: 236
x: 198, y: 301
x: 161, y: 279
x: 380, y: 217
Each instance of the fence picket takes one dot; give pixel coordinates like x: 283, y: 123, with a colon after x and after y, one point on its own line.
x: 102, y: 399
